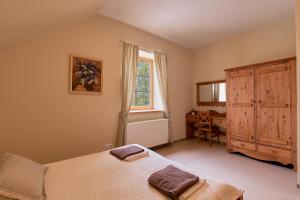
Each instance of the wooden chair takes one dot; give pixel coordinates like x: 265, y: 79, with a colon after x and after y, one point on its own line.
x: 205, y: 127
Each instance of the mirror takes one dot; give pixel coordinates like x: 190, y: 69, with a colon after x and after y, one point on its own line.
x: 212, y: 93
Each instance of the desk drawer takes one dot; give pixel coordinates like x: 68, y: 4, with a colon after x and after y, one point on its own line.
x: 243, y: 145
x: 221, y: 122
x: 191, y: 118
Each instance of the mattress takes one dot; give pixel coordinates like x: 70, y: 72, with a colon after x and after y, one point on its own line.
x: 101, y: 176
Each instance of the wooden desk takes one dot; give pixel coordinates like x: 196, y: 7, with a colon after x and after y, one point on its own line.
x: 218, y: 119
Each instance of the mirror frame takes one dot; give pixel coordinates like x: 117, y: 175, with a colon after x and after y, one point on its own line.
x: 203, y: 103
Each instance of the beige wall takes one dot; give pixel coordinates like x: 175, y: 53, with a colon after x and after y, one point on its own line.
x: 298, y: 82
x: 266, y: 43
x: 41, y: 120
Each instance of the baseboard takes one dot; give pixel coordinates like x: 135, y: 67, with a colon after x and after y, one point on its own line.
x: 159, y: 146
x: 179, y: 140
x: 167, y: 144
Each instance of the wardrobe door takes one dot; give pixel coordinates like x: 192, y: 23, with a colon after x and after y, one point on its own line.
x: 273, y: 89
x: 240, y: 106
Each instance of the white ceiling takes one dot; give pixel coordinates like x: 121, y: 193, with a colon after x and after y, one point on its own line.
x: 21, y: 20
x: 190, y: 23
x: 195, y: 23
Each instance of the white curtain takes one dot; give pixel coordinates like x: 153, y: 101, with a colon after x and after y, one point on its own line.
x: 161, y: 69
x: 129, y: 67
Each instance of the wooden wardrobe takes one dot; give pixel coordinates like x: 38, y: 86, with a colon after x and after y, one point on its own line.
x: 261, y: 110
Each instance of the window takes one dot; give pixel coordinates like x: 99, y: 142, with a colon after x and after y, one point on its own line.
x: 143, y: 97
x: 222, y: 92
x: 147, y: 95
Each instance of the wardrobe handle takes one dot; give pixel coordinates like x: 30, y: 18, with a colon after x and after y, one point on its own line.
x: 253, y: 101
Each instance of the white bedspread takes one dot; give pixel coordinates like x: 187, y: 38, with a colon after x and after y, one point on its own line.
x: 101, y: 176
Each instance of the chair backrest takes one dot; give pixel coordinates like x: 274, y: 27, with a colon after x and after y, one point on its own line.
x: 204, y: 118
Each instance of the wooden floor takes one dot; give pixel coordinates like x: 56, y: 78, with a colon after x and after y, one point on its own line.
x: 259, y: 180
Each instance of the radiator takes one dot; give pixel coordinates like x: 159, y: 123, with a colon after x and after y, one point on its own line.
x: 149, y: 133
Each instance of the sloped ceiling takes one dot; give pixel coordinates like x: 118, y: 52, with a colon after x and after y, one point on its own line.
x: 21, y: 20
x: 189, y: 23
x: 195, y: 23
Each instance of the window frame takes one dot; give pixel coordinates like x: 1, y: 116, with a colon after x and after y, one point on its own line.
x: 151, y: 70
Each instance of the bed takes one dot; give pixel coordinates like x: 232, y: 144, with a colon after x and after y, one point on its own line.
x: 101, y: 176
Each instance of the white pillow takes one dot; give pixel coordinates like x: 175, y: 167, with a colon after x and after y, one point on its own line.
x: 21, y: 178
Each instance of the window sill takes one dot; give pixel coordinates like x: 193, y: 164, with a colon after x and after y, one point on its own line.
x: 144, y: 111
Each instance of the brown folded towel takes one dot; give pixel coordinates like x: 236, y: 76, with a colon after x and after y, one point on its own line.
x: 124, y: 152
x: 172, y: 181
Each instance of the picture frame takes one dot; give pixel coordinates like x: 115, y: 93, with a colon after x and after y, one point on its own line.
x: 86, y: 75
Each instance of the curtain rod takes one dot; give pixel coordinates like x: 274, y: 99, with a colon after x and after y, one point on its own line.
x: 142, y: 48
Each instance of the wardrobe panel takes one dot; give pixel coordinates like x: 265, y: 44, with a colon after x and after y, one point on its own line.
x: 242, y: 123
x: 240, y: 101
x: 273, y: 105
x: 241, y: 87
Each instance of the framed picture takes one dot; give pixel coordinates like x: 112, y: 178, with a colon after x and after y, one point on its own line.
x: 86, y: 75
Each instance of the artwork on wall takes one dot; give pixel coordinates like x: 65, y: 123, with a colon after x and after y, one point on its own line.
x: 86, y: 75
